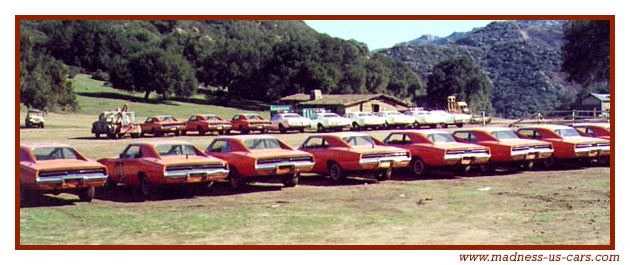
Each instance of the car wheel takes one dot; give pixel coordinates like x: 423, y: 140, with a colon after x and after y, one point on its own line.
x: 263, y: 131
x: 603, y: 161
x: 459, y: 125
x: 385, y: 175
x: 282, y: 129
x: 462, y: 169
x: 147, y: 188
x: 433, y: 126
x: 355, y: 126
x: 142, y: 134
x: 243, y: 131
x: 550, y: 162
x: 111, y: 135
x: 42, y: 126
x: 444, y: 125
x: 135, y: 135
x: 336, y: 172
x: 235, y: 179
x: 320, y: 128
x: 86, y: 195
x: 418, y: 167
x: 301, y: 130
x: 97, y: 135
x: 26, y: 195
x: 291, y: 180
x: 488, y: 168
x: 200, y: 131
x: 110, y: 184
x: 416, y: 125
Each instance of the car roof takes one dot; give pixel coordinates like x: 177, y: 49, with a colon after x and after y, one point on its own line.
x: 245, y: 137
x: 340, y: 134
x: 156, y: 142
x: 546, y: 126
x: 485, y: 129
x: 45, y: 144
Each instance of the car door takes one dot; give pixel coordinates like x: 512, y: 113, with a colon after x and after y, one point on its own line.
x: 127, y: 165
x: 320, y: 149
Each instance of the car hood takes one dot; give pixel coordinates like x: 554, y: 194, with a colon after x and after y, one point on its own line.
x: 63, y: 164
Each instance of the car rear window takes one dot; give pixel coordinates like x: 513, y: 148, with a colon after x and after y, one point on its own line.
x: 568, y: 132
x: 175, y: 149
x: 359, y: 140
x: 54, y: 153
x: 262, y: 143
x: 504, y: 134
x: 330, y: 115
x: 254, y: 117
x: 441, y: 138
x: 212, y: 118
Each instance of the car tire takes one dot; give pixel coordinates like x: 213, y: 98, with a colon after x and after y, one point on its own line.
x: 301, y: 130
x: 550, y: 162
x: 459, y: 125
x: 320, y: 128
x: 235, y: 179
x: 433, y: 126
x: 111, y: 135
x: 335, y: 172
x: 262, y: 131
x: 97, y: 135
x: 291, y: 180
x: 355, y: 127
x: 26, y: 195
x: 199, y: 130
x: 444, y: 125
x: 488, y: 168
x: 135, y: 135
x: 385, y: 175
x: 416, y: 125
x: 110, y: 184
x: 86, y: 195
x: 282, y: 129
x: 147, y: 188
x: 418, y: 167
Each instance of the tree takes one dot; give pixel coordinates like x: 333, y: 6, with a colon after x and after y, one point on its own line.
x: 586, y: 51
x: 461, y: 78
x: 157, y: 71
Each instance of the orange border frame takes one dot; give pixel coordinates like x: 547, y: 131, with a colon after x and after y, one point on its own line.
x: 610, y: 18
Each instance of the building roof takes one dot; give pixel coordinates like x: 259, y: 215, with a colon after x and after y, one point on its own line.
x: 338, y: 99
x: 601, y: 97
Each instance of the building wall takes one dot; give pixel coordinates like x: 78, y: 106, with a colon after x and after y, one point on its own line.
x: 368, y: 106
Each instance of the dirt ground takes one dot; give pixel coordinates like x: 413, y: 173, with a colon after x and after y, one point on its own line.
x: 565, y: 206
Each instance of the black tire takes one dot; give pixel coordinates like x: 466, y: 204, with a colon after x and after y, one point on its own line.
x: 110, y: 184
x: 433, y: 126
x: 291, y: 180
x: 320, y: 128
x: 282, y: 129
x: 444, y: 125
x: 459, y: 125
x: 148, y: 190
x: 302, y: 130
x: 335, y: 172
x: 263, y: 131
x: 41, y: 126
x: 97, y: 135
x: 243, y: 131
x: 26, y: 196
x: 199, y: 130
x: 550, y: 162
x: 385, y: 175
x: 416, y: 125
x: 418, y: 167
x: 355, y: 126
x: 463, y: 170
x: 111, y: 135
x: 86, y: 195
x: 235, y: 179
x: 177, y: 133
x: 135, y: 135
x: 142, y: 134
x: 488, y: 168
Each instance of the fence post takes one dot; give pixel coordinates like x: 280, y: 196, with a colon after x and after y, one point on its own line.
x: 483, y: 117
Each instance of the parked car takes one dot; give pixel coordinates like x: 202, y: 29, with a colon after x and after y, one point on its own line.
x: 162, y: 124
x: 339, y: 155
x: 260, y: 158
x: 395, y: 119
x: 437, y: 149
x: 506, y: 148
x: 423, y: 118
x: 568, y: 144
x: 329, y: 121
x: 598, y: 130
x: 34, y: 118
x: 116, y: 124
x: 364, y: 120
x: 247, y: 122
x: 203, y: 123
x: 284, y: 122
x: 156, y: 165
x: 56, y: 168
x: 445, y: 119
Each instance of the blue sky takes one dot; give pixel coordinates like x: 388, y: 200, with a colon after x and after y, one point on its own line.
x: 379, y: 34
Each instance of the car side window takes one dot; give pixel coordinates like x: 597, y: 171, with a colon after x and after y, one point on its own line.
x: 590, y: 132
x: 398, y: 138
x: 193, y: 118
x: 316, y: 142
x: 219, y: 146
x: 466, y: 136
x: 132, y: 151
x: 530, y: 133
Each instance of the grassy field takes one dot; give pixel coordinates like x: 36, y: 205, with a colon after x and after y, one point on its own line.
x: 555, y: 207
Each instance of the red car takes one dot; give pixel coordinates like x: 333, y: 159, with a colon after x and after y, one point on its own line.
x: 246, y: 123
x: 160, y: 164
x: 436, y: 148
x: 506, y: 148
x: 339, y: 155
x: 202, y: 123
x: 260, y: 158
x: 568, y: 144
x: 599, y: 130
x: 57, y: 168
x: 160, y: 125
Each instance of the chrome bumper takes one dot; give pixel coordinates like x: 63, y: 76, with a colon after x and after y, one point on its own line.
x: 274, y: 166
x: 458, y: 157
x: 193, y: 173
x: 71, y: 178
x: 378, y: 160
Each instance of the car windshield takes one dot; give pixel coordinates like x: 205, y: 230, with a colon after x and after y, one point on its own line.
x: 175, y: 149
x: 292, y: 116
x: 359, y: 140
x: 504, y: 134
x: 253, y: 117
x: 262, y: 143
x: 330, y: 115
x: 54, y: 153
x: 212, y: 118
x: 167, y: 118
x: 568, y: 132
x: 441, y: 138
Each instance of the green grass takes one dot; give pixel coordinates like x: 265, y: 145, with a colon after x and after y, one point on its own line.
x: 93, y: 97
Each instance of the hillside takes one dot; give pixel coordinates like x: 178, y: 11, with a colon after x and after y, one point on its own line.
x: 522, y: 59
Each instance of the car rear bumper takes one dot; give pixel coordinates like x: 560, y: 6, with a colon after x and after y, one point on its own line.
x: 69, y: 182
x: 191, y: 176
x: 466, y: 159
